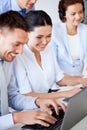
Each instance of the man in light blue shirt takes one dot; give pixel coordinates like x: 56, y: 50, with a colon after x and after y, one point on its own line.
x: 13, y: 35
x: 22, y: 6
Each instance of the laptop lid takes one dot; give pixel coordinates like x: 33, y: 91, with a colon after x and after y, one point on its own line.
x: 76, y: 110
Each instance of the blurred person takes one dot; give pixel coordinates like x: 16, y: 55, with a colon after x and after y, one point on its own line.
x: 22, y: 6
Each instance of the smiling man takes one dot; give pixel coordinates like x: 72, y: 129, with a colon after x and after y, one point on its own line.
x: 22, y: 6
x: 13, y: 40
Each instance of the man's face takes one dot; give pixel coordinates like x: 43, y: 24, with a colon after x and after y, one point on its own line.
x: 11, y: 43
x: 28, y: 4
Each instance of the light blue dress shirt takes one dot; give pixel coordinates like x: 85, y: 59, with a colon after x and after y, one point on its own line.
x: 6, y: 122
x: 31, y: 77
x: 6, y: 5
x: 16, y: 100
x: 6, y: 118
x: 59, y: 42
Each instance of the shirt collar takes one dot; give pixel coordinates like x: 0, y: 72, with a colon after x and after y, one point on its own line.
x: 1, y: 60
x: 15, y: 5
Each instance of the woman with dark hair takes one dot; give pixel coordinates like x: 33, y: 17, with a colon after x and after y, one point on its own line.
x: 69, y: 37
x: 36, y: 70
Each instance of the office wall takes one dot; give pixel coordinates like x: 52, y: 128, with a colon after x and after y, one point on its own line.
x: 50, y: 6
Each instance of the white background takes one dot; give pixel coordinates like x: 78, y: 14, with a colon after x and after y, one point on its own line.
x: 50, y: 6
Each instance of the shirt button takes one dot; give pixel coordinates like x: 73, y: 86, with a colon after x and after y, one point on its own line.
x: 73, y: 66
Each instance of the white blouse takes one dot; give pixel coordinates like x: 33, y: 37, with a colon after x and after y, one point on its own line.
x: 31, y: 77
x: 73, y: 42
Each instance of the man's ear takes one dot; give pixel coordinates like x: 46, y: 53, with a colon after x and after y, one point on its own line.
x: 0, y: 32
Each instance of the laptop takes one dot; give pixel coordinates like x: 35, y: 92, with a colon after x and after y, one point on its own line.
x: 75, y: 112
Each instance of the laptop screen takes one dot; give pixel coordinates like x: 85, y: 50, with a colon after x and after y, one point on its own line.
x: 76, y: 111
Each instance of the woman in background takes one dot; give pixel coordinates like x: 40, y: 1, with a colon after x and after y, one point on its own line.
x: 69, y: 37
x: 36, y: 70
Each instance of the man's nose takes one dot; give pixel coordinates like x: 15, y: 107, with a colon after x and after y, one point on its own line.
x: 20, y: 50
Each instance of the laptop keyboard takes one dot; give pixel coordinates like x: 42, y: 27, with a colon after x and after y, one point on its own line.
x: 56, y: 126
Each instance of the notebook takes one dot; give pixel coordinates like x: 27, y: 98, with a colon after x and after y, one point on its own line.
x: 75, y: 112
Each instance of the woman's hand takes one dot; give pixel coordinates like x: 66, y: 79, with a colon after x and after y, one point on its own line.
x: 47, y: 104
x: 84, y: 81
x: 69, y: 93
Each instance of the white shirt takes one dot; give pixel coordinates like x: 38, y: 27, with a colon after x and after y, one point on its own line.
x: 31, y: 77
x: 73, y: 43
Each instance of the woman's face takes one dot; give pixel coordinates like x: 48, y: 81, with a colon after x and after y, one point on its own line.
x: 40, y: 37
x: 74, y: 14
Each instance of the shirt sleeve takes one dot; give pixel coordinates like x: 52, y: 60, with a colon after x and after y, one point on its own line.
x: 23, y: 79
x: 18, y: 101
x: 59, y: 72
x: 6, y: 122
x: 4, y: 6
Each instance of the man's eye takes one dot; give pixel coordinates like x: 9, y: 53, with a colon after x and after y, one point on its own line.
x: 17, y: 44
x: 39, y: 37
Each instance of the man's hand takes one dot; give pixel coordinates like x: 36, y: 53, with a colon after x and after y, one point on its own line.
x: 32, y: 117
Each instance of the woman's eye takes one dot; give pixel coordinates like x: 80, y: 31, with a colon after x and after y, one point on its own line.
x: 49, y: 36
x: 73, y: 14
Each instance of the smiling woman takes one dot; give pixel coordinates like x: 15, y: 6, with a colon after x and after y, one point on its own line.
x: 38, y: 67
x: 69, y: 37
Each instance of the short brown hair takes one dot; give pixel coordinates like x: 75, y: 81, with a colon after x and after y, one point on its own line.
x: 63, y: 5
x: 12, y: 19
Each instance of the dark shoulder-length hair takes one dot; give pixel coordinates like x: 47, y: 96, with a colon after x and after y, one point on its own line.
x: 63, y: 5
x: 37, y: 18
